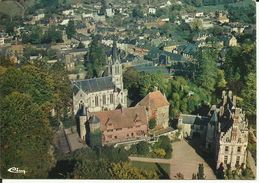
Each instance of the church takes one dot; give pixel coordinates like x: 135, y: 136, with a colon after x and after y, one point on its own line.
x: 103, y: 93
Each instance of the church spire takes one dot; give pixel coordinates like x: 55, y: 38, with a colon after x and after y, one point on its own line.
x: 114, y: 52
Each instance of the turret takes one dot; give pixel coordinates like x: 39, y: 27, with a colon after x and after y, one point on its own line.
x: 83, y: 117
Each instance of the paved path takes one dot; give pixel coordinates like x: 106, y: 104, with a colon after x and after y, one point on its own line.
x: 186, y: 161
x: 150, y: 160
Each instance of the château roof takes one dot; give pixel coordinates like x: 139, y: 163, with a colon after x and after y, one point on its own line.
x: 194, y: 119
x: 122, y: 118
x: 154, y: 100
x: 93, y: 85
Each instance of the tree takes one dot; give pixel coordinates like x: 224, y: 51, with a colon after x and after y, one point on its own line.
x: 196, y: 25
x: 52, y: 35
x: 137, y: 12
x: 80, y: 45
x: 124, y: 171
x: 160, y: 153
x: 142, y: 148
x: 200, y: 174
x: 25, y: 137
x: 179, y: 176
x: 164, y: 143
x: 103, y: 7
x: 91, y: 169
x: 152, y: 123
x: 220, y: 172
x: 206, y: 71
x: 70, y: 29
x: 248, y: 94
x: 95, y: 60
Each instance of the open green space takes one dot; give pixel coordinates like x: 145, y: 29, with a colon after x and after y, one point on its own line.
x: 162, y: 169
x: 220, y: 7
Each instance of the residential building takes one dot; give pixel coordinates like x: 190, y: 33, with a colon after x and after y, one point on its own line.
x: 116, y: 125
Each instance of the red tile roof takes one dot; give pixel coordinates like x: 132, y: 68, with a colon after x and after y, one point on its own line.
x: 154, y: 100
x: 122, y: 118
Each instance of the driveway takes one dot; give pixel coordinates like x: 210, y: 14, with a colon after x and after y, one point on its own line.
x: 186, y: 161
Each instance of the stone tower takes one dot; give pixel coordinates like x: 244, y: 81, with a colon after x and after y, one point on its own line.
x: 83, y: 118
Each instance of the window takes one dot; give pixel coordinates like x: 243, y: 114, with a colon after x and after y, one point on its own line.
x: 225, y: 159
x: 238, y: 149
x: 117, y: 70
x: 110, y: 130
x: 227, y: 140
x: 96, y: 101
x: 115, y: 137
x: 226, y: 148
x: 104, y: 99
x: 118, y: 129
x: 237, y: 160
x: 111, y: 98
x: 239, y: 140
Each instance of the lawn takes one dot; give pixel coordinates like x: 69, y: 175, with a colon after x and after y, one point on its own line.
x: 10, y: 8
x: 163, y: 170
x: 220, y: 7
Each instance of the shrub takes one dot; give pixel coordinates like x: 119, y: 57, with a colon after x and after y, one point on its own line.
x: 152, y: 123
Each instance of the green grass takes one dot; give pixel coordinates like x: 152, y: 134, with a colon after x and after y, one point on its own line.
x: 10, y: 8
x: 163, y: 170
x: 220, y: 7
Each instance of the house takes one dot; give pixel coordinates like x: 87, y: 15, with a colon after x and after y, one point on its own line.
x: 116, y: 125
x: 157, y: 108
x: 152, y: 11
x: 68, y: 12
x: 109, y: 12
x: 229, y: 40
x: 222, y: 18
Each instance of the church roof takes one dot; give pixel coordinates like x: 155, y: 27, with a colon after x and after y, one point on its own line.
x: 154, y: 100
x: 122, y: 118
x: 94, y: 84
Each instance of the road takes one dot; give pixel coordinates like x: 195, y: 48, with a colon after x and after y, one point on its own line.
x: 150, y: 160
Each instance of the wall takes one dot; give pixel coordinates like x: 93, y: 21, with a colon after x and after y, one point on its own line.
x: 124, y: 133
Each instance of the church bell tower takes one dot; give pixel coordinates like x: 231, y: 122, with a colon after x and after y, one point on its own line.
x: 115, y: 68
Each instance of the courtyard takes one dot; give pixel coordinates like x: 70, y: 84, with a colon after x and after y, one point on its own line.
x: 186, y: 161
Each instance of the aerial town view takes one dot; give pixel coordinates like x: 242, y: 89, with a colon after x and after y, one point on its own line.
x: 128, y: 89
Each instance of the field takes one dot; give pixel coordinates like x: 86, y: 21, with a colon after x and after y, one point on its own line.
x: 10, y: 8
x: 163, y: 170
x: 221, y: 7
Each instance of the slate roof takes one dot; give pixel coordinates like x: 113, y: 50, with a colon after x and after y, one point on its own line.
x: 194, y: 119
x: 93, y: 85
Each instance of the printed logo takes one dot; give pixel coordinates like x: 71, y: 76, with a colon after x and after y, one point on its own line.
x: 16, y: 170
